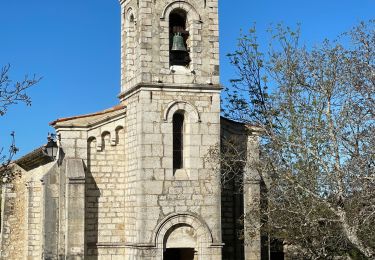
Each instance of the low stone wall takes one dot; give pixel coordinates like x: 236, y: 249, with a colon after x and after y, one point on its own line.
x: 13, y: 218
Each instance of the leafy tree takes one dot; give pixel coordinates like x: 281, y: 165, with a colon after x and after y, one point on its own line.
x: 12, y: 93
x: 316, y: 109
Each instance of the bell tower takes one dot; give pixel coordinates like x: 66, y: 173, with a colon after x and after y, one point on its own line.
x: 170, y: 87
x: 169, y: 42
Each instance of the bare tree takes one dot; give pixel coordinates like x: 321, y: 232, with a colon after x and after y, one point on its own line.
x: 12, y: 93
x: 316, y: 108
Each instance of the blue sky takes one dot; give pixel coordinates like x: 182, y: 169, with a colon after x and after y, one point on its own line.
x: 75, y: 46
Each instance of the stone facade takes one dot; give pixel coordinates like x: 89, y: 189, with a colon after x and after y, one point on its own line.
x: 114, y: 191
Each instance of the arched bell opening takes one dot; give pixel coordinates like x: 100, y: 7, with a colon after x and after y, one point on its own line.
x: 178, y: 39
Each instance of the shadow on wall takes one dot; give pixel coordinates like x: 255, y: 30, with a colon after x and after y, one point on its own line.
x: 92, y: 194
x: 232, y: 201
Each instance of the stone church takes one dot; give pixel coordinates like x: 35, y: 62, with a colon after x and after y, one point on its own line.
x: 133, y: 181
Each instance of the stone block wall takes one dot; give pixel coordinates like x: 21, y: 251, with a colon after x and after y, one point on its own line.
x: 231, y: 222
x: 105, y: 196
x: 34, y: 220
x: 241, y: 195
x: 132, y: 162
x: 235, y: 135
x: 253, y: 195
x: 22, y: 223
x: 13, y: 221
x: 157, y: 189
x: 74, y: 143
x: 92, y: 189
x: 53, y: 213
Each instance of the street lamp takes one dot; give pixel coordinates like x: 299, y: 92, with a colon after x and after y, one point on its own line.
x: 50, y: 149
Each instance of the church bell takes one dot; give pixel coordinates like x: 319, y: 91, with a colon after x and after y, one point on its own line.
x: 178, y: 43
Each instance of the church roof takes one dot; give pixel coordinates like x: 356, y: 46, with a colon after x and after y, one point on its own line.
x: 39, y: 157
x: 34, y: 159
x: 88, y: 119
x: 239, y: 126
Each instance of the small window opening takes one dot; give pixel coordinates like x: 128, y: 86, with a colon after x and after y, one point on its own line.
x: 178, y: 146
x: 178, y: 39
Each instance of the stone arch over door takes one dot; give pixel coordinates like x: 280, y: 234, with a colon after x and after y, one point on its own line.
x: 183, y: 230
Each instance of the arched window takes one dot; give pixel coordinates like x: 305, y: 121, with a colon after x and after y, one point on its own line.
x: 129, y: 48
x: 178, y: 139
x: 178, y: 38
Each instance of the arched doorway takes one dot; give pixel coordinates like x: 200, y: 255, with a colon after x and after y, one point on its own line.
x: 184, y: 236
x: 180, y: 243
